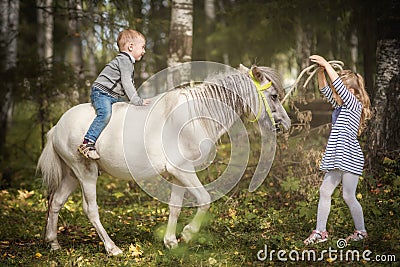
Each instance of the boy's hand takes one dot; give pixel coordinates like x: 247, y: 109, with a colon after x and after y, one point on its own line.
x: 146, y: 102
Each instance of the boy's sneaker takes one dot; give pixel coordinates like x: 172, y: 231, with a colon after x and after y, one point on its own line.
x: 316, y: 237
x: 88, y: 151
x: 357, y: 236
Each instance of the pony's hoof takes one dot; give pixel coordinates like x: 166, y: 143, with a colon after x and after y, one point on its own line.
x: 171, y: 243
x: 187, y: 234
x: 115, y: 251
x: 54, y: 246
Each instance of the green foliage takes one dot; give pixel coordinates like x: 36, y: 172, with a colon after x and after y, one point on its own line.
x: 280, y: 214
x: 291, y: 183
x: 237, y: 228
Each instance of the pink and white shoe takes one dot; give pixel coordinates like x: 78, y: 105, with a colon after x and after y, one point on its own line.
x: 357, y: 236
x: 316, y: 237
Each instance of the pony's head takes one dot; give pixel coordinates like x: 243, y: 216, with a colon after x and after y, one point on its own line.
x: 269, y: 86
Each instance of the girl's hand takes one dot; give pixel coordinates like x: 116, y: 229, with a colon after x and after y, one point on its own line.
x: 319, y: 60
x: 324, y: 64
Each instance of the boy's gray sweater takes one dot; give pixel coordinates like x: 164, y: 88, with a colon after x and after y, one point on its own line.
x: 116, y: 78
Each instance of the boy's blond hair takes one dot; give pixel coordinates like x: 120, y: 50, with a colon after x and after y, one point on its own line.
x: 126, y: 36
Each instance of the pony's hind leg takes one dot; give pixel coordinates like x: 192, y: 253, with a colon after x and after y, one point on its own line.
x: 56, y: 202
x: 88, y: 178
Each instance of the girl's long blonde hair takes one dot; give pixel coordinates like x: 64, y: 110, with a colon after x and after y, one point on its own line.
x: 356, y: 81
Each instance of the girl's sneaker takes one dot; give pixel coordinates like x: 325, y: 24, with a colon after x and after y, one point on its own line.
x: 357, y: 236
x: 316, y: 237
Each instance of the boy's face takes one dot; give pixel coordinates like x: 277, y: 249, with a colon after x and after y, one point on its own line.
x: 137, y: 48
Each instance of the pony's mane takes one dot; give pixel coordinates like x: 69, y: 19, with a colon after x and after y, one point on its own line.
x: 276, y: 79
x: 233, y: 90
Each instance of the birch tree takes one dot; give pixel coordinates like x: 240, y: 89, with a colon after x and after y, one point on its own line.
x: 384, y: 132
x: 74, y: 53
x: 9, y: 33
x: 45, y: 30
x: 209, y: 10
x: 180, y: 40
x: 384, y: 128
x: 91, y: 42
x: 45, y: 20
x: 181, y: 32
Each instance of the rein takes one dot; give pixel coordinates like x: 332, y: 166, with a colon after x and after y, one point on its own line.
x: 262, y: 99
x: 311, y: 70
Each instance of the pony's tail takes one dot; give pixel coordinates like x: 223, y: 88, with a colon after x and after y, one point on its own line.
x: 51, y: 165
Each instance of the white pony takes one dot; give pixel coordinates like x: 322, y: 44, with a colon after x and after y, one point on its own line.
x: 142, y: 142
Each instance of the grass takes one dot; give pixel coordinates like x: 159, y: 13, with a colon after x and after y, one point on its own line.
x: 238, y: 227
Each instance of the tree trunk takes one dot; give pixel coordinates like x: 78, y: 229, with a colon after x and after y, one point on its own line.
x: 74, y: 53
x: 91, y: 40
x: 9, y: 33
x: 91, y: 64
x: 354, y: 50
x: 369, y: 41
x: 209, y: 10
x: 392, y: 121
x: 181, y: 32
x: 45, y: 30
x: 305, y: 46
x: 45, y: 19
x: 304, y: 36
x: 384, y: 127
x: 180, y: 40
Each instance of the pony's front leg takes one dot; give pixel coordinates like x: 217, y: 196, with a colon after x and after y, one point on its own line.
x: 194, y: 226
x: 175, y: 205
x: 192, y: 183
x: 90, y: 208
x: 56, y: 202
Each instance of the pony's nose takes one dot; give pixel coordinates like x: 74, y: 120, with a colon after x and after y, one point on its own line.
x: 276, y: 125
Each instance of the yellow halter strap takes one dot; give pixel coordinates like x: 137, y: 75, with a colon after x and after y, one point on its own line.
x: 262, y: 98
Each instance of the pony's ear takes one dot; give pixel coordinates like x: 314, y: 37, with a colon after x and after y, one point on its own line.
x: 257, y: 74
x: 243, y: 69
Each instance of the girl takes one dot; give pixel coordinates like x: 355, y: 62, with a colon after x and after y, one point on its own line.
x: 343, y: 159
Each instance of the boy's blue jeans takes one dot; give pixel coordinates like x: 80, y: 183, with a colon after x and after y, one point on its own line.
x: 102, y: 103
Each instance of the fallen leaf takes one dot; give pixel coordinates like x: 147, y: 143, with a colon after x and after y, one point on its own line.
x: 135, y: 250
x: 212, y: 261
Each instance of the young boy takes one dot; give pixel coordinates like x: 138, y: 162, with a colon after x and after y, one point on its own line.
x: 114, y: 81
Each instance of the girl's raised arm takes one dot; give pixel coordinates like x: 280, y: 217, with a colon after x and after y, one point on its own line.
x: 323, y: 63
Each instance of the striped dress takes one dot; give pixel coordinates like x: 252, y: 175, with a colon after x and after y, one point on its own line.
x: 343, y: 151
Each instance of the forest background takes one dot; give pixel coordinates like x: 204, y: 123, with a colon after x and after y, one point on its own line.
x: 52, y: 50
